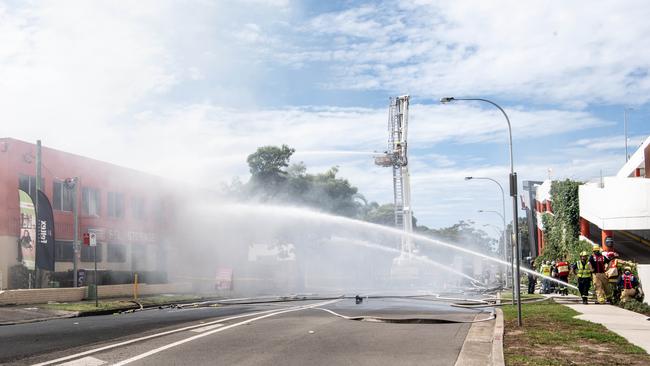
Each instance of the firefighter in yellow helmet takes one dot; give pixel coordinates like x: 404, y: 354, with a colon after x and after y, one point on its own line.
x: 582, y: 269
x: 599, y: 265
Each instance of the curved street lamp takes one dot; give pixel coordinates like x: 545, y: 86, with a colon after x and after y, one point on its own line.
x: 503, y: 218
x: 513, y: 194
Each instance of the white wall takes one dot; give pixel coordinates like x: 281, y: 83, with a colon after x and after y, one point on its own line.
x: 621, y: 204
x: 644, y: 277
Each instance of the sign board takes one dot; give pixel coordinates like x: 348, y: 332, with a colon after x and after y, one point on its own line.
x: 86, y: 239
x: 223, y: 280
x: 81, y: 277
x: 92, y: 239
x: 26, y: 240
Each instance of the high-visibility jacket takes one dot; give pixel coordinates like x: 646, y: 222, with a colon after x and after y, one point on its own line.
x: 545, y: 269
x: 583, y: 270
x: 562, y: 269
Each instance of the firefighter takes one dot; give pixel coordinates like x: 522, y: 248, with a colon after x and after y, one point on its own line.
x: 599, y: 265
x: 532, y: 278
x: 628, y: 285
x: 545, y: 269
x: 613, y: 271
x: 582, y: 269
x: 552, y: 284
x: 562, y: 268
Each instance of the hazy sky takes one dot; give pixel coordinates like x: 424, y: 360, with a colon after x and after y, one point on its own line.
x: 187, y: 89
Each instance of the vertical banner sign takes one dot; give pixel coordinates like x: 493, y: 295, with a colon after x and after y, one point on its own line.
x: 44, y: 234
x: 26, y: 241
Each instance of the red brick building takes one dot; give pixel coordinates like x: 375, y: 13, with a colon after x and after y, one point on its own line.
x: 127, y: 209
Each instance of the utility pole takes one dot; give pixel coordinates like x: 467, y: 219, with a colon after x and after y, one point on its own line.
x: 73, y: 183
x: 625, y: 131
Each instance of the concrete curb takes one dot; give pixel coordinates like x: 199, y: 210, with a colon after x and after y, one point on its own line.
x: 72, y: 315
x: 479, y: 345
x: 497, y: 341
x: 135, y: 307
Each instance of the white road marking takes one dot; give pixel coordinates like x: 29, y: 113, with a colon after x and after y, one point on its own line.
x: 248, y: 321
x: 110, y: 346
x: 209, y: 327
x: 86, y: 361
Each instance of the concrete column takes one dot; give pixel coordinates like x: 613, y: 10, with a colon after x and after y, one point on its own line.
x: 584, y: 227
x: 604, y: 235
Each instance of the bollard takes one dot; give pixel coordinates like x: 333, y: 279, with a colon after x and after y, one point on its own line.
x: 135, y: 286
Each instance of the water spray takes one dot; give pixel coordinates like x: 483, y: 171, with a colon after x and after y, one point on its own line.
x: 420, y: 258
x: 298, y: 213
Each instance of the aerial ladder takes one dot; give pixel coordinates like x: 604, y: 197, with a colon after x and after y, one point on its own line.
x: 396, y: 157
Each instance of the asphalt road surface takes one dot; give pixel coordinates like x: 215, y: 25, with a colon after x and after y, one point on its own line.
x: 315, y: 332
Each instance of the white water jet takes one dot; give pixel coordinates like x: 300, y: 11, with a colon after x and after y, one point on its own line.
x: 420, y: 258
x: 297, y: 213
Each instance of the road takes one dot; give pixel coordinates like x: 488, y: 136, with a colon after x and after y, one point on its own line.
x: 315, y: 332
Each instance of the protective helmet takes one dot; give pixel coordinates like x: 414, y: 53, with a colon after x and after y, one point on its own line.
x: 584, y: 253
x: 553, y: 262
x: 547, y: 262
x: 596, y: 248
x: 627, y: 268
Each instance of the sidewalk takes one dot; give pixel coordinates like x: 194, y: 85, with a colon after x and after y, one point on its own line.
x: 17, y: 314
x: 632, y: 326
x: 30, y: 313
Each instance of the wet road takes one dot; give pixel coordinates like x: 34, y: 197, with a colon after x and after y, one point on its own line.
x: 295, y: 333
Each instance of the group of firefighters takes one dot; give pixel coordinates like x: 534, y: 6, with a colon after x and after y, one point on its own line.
x: 612, y: 277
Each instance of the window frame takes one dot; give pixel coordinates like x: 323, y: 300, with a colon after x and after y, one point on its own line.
x: 115, y: 204
x: 87, y: 253
x: 59, y: 202
x: 60, y: 248
x: 111, y: 254
x: 86, y: 193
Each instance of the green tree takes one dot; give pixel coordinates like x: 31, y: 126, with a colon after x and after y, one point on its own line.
x: 380, y: 214
x: 562, y: 225
x: 276, y: 180
x: 267, y: 166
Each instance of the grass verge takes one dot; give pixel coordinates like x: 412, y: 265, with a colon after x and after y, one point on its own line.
x: 552, y: 336
x: 508, y: 296
x: 117, y: 304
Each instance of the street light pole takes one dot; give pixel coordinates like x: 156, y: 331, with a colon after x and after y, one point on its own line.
x: 625, y: 110
x: 505, y: 253
x: 73, y: 183
x: 503, y: 218
x: 513, y: 194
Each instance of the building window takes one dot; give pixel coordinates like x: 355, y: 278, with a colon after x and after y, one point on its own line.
x: 90, y: 201
x: 62, y: 199
x: 88, y: 253
x: 115, y: 204
x: 138, y: 207
x: 63, y: 251
x: 27, y: 183
x: 116, y: 253
x: 157, y: 211
x: 138, y: 257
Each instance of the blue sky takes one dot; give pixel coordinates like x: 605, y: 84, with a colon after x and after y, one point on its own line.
x: 188, y: 89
